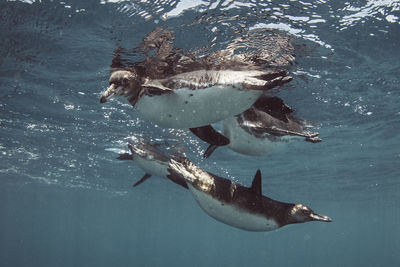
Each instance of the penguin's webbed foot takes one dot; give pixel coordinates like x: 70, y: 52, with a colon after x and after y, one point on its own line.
x: 312, y: 137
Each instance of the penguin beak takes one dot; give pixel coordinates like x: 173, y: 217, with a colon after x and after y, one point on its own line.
x: 108, y: 93
x: 321, y: 218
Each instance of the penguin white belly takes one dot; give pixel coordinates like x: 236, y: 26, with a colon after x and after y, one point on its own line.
x: 187, y: 108
x: 152, y: 166
x: 243, y: 142
x: 232, y: 215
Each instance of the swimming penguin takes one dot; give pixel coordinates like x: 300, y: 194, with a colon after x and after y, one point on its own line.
x: 149, y: 159
x: 267, y: 123
x: 179, y: 90
x: 236, y: 205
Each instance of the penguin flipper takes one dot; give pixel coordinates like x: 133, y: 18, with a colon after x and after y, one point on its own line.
x: 157, y: 90
x: 155, y: 87
x: 144, y: 178
x: 208, y: 134
x: 179, y: 181
x: 210, y: 149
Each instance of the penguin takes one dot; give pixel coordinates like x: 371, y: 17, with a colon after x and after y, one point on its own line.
x: 150, y: 159
x: 236, y: 205
x: 267, y: 124
x: 174, y: 89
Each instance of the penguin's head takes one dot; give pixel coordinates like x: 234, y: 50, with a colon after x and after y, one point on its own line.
x: 301, y: 213
x: 122, y: 83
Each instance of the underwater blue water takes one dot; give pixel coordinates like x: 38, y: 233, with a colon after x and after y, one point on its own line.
x: 66, y: 201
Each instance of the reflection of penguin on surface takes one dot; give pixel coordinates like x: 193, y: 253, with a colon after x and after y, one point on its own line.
x: 149, y: 159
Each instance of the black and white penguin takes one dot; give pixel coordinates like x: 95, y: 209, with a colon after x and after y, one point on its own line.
x: 236, y: 205
x: 150, y: 159
x: 268, y: 123
x: 179, y: 90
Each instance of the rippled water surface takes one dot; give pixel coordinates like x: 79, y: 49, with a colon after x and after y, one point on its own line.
x: 66, y: 201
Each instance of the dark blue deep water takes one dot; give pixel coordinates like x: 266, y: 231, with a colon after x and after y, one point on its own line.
x: 66, y: 201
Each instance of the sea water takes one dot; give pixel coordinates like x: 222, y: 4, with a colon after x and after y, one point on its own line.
x: 66, y: 201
